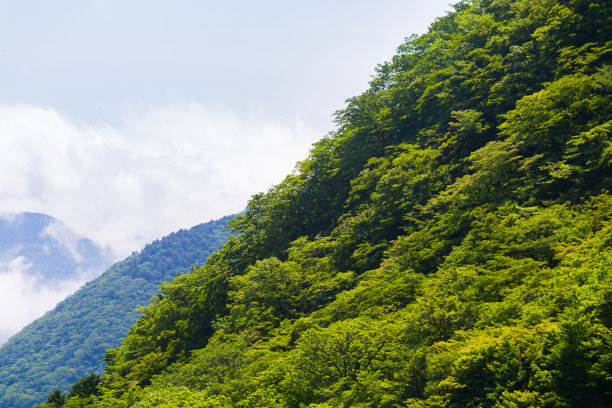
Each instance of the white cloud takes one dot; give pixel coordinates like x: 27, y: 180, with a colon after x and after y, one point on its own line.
x: 162, y: 169
x: 23, y: 298
x: 12, y: 218
x: 64, y: 236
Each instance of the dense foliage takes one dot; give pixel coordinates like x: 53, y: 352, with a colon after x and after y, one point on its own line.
x: 70, y: 341
x: 447, y: 246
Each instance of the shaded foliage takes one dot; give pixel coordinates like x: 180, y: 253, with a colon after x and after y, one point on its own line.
x: 70, y: 341
x: 448, y: 245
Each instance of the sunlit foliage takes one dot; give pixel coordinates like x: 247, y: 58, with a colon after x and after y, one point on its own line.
x: 448, y: 245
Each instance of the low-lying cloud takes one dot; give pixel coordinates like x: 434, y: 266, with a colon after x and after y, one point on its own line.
x: 160, y: 170
x: 23, y: 298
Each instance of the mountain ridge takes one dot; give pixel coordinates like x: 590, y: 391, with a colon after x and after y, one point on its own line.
x: 69, y: 341
x: 447, y: 245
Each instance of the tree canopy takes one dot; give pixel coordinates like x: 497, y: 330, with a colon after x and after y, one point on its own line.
x: 447, y: 245
x: 70, y: 341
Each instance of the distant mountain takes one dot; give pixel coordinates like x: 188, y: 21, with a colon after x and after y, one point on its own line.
x: 50, y: 248
x: 41, y: 261
x: 449, y: 244
x: 69, y: 342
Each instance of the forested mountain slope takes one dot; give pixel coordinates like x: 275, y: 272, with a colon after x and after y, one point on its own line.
x: 70, y: 341
x: 449, y: 245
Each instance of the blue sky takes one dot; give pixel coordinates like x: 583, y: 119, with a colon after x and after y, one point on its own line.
x: 130, y: 119
x: 221, y: 97
x: 93, y: 60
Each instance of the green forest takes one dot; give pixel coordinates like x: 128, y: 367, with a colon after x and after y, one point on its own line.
x: 447, y: 245
x: 69, y: 342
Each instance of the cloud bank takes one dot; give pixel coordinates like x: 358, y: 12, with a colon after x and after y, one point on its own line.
x: 160, y: 170
x: 23, y: 299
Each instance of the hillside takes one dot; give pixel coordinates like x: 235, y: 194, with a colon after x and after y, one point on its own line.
x: 70, y: 341
x: 448, y: 245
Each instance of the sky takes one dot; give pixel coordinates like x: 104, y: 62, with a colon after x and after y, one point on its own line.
x: 128, y: 120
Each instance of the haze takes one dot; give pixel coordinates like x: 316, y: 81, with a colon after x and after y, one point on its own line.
x: 128, y: 120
